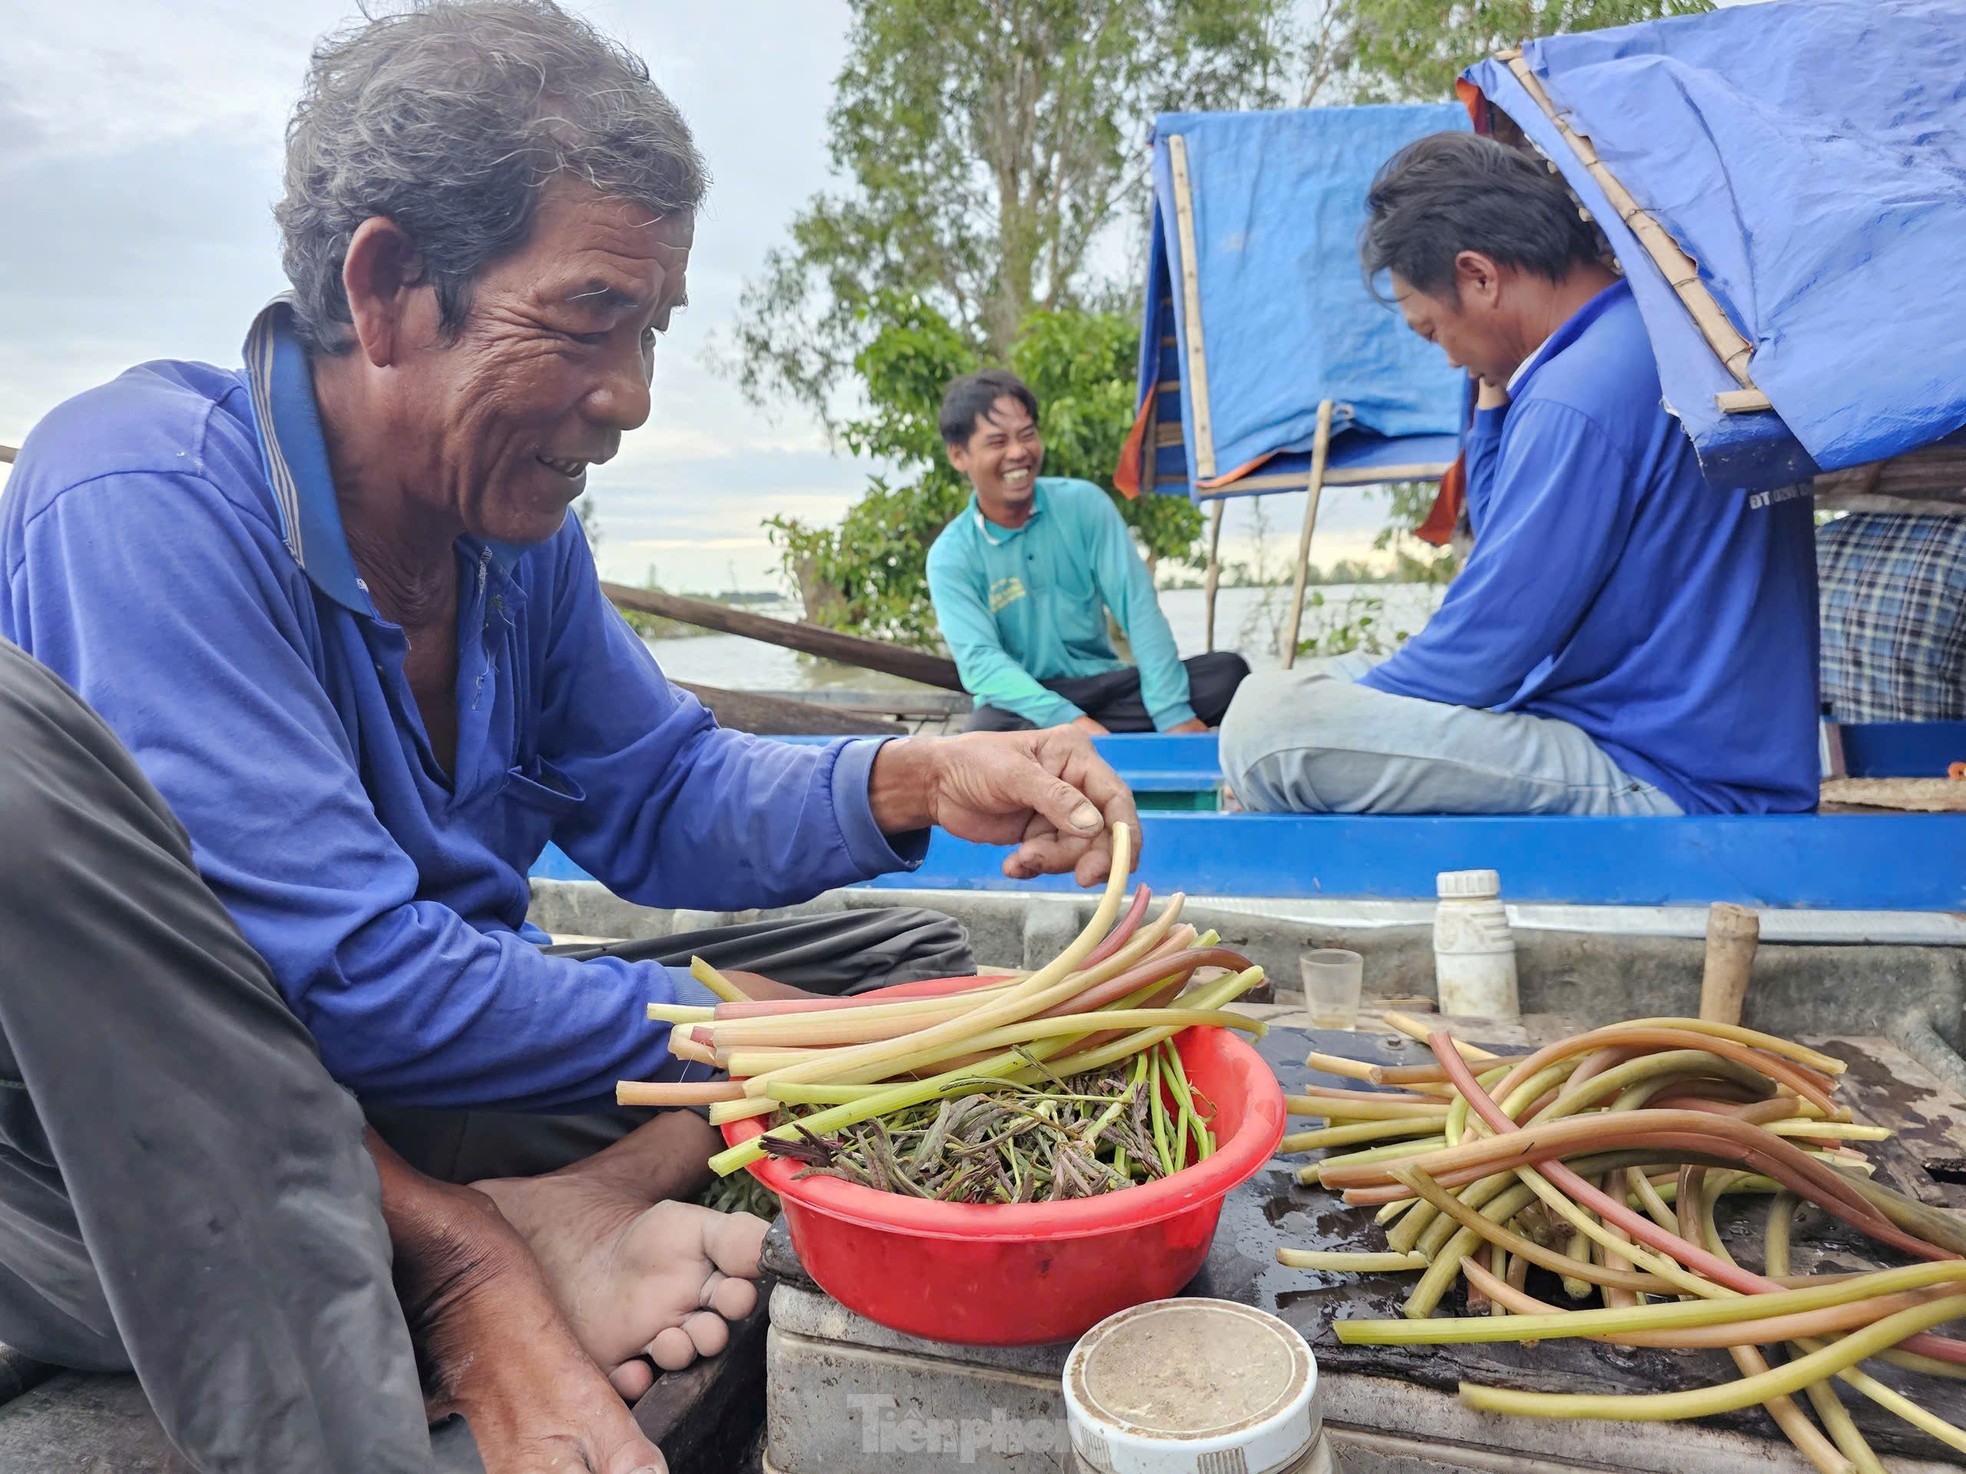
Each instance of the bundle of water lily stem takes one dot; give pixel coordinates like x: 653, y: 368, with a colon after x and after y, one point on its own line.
x: 1601, y: 1158
x: 1083, y: 1090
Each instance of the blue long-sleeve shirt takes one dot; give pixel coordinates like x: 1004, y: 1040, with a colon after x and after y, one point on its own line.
x: 220, y: 628
x: 1022, y: 605
x: 1612, y: 588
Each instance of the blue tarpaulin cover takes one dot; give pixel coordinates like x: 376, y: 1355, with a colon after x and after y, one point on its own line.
x: 1810, y: 155
x: 1286, y: 317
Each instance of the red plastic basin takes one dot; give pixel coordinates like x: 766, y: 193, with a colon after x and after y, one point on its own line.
x: 1019, y: 1274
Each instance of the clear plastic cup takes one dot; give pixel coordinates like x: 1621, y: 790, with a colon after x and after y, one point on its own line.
x: 1333, y: 981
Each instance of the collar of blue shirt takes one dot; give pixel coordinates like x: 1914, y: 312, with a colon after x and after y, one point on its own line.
x: 999, y: 534
x: 294, y: 453
x: 1565, y: 335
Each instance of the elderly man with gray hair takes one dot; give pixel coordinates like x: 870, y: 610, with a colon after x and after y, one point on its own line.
x: 338, y: 626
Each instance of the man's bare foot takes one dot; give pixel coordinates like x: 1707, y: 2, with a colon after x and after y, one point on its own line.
x: 491, y: 1342
x: 635, y: 1277
x: 533, y: 1397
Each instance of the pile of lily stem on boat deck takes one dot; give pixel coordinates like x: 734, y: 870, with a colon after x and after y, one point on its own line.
x: 1601, y: 1158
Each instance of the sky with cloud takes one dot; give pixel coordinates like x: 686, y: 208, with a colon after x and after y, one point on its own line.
x: 140, y: 154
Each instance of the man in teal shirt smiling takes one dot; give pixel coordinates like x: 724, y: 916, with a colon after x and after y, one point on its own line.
x: 1024, y: 575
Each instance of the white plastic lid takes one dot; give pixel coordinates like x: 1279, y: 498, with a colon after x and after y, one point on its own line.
x: 1191, y: 1387
x: 1469, y: 885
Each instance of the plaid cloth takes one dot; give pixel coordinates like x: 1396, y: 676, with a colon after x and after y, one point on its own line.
x: 1894, y: 617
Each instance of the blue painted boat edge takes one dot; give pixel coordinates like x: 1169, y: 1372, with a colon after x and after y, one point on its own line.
x: 1855, y: 862
x: 1155, y: 762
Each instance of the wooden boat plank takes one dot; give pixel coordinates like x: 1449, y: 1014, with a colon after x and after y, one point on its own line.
x: 812, y: 639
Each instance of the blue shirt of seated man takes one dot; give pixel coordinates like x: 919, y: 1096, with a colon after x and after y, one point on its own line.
x: 1625, y: 638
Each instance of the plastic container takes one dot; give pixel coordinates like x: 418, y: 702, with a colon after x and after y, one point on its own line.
x: 1194, y: 1387
x: 1474, y: 951
x: 1020, y: 1274
x: 1334, y: 980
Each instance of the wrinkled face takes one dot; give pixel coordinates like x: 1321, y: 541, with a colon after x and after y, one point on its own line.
x: 551, y: 367
x: 1466, y: 325
x: 1002, y: 459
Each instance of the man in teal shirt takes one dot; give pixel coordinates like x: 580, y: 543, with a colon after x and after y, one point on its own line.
x: 1023, y: 577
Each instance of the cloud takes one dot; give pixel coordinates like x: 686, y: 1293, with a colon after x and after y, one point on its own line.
x: 140, y: 152
x: 20, y: 132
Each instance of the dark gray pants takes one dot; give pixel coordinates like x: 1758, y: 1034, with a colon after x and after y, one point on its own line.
x: 842, y: 952
x: 1113, y: 699
x: 183, y: 1189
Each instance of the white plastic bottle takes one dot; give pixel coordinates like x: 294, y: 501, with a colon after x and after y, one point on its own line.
x: 1474, y: 951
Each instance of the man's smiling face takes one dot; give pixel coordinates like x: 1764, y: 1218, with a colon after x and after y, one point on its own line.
x: 1002, y: 458
x: 551, y: 367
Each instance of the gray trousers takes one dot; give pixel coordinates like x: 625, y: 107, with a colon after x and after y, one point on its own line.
x: 184, y: 1192
x: 1314, y: 741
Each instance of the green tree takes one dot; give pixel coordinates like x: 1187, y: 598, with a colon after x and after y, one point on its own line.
x: 984, y: 148
x: 1407, y: 50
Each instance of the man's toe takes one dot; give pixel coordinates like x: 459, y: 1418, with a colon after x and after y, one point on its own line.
x: 733, y: 1299
x: 708, y: 1332
x: 632, y: 1378
x: 672, y: 1349
x: 734, y: 1241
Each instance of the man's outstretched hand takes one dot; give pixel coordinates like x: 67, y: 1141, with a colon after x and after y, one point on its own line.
x: 1046, y: 792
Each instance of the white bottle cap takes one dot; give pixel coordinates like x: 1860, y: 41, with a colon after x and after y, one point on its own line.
x: 1469, y: 885
x: 1191, y: 1387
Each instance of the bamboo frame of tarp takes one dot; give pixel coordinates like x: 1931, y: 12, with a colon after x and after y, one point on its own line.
x: 1213, y: 582
x: 1314, y: 489
x: 1184, y: 223
x: 1681, y: 272
x: 7, y: 453
x: 1249, y: 485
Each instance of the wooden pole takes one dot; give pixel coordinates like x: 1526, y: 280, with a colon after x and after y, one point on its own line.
x: 779, y: 716
x: 1214, y: 568
x: 7, y: 454
x: 1320, y: 451
x: 1201, y: 454
x: 1733, y: 933
x: 895, y: 660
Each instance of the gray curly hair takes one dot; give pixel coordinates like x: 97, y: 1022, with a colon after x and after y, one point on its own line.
x: 449, y: 118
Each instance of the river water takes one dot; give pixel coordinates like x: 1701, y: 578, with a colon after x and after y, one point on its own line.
x: 1246, y: 619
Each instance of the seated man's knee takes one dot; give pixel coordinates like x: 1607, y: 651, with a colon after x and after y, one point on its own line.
x: 1277, y: 723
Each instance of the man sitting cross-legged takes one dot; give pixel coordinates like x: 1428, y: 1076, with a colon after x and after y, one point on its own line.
x: 1024, y: 576
x: 1625, y: 638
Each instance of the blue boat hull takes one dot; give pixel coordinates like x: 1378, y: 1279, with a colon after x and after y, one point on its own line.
x: 1843, y: 862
